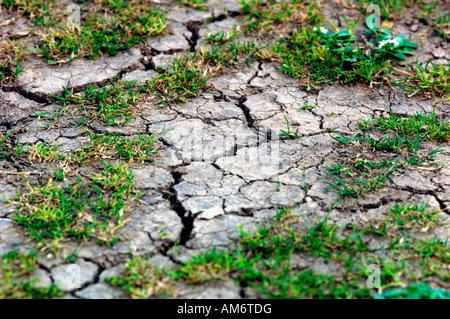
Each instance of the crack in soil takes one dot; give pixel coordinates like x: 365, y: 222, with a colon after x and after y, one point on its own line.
x: 193, y: 27
x: 250, y: 121
x: 186, y: 218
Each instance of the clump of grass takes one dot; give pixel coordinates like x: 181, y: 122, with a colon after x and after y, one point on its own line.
x: 113, y: 189
x: 264, y: 261
x: 323, y: 56
x: 306, y: 106
x: 425, y: 126
x: 63, y: 45
x: 3, y: 146
x: 7, y: 149
x: 271, y: 276
x: 407, y: 145
x: 139, y: 148
x: 114, y: 185
x: 143, y: 280
x: 185, y: 78
x: 105, y: 27
x: 212, y: 265
x: 434, y: 255
x: 429, y: 79
x: 176, y: 84
x: 224, y: 36
x: 270, y: 18
x: 407, y: 216
x: 9, y: 70
x: 361, y: 176
x: 41, y: 12
x: 408, y: 255
x: 11, y: 65
x: 60, y: 174
x: 44, y: 152
x: 112, y: 26
x: 288, y: 133
x: 353, y: 182
x: 319, y: 239
x: 415, y: 216
x: 196, y: 4
x: 278, y: 17
x: 112, y: 104
x: 51, y: 211
x: 80, y: 210
x: 14, y: 270
x: 441, y: 25
x: 217, y: 57
x: 305, y: 57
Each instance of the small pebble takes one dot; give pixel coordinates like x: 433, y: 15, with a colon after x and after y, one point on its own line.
x: 439, y: 53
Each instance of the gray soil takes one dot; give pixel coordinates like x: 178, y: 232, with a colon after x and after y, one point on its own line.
x: 222, y: 165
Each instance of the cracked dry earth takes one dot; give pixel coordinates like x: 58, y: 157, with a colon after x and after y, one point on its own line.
x: 222, y: 164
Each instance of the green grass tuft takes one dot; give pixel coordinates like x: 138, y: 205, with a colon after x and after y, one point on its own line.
x: 429, y: 79
x: 51, y: 212
x: 176, y: 84
x: 264, y: 262
x: 140, y: 148
x: 112, y: 104
x: 15, y: 272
